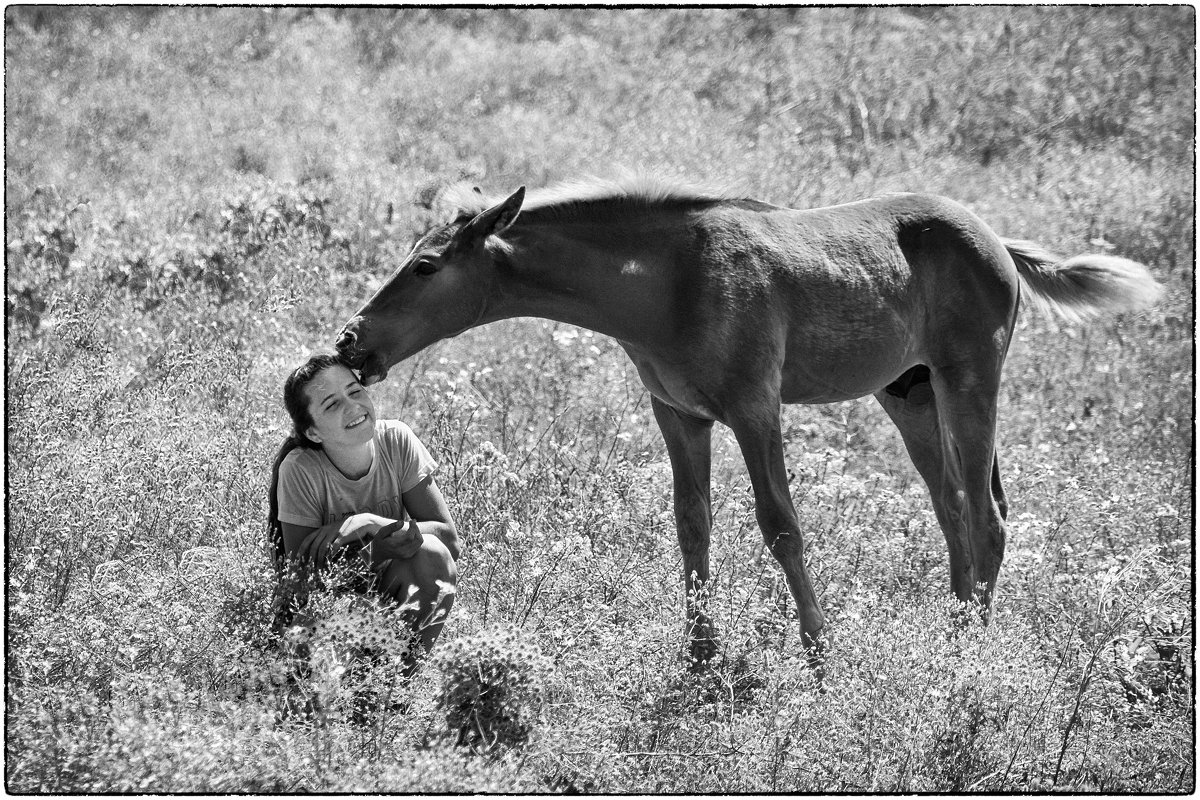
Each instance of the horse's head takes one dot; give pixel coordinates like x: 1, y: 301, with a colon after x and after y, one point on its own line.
x: 439, y: 291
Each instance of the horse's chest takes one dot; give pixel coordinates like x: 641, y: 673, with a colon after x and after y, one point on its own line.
x: 672, y: 384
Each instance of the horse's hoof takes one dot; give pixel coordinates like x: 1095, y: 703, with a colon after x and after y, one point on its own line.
x: 701, y: 654
x: 699, y: 660
x: 815, y: 653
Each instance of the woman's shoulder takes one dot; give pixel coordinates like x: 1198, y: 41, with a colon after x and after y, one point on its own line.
x: 398, y: 439
x: 403, y: 453
x: 300, y: 461
x: 394, y: 429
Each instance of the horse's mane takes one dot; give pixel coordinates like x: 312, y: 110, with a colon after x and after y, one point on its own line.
x: 464, y: 199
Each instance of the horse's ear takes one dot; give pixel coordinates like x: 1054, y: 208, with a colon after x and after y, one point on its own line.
x: 495, y: 220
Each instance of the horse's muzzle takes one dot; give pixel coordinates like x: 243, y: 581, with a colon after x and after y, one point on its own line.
x: 369, y: 364
x: 346, y: 341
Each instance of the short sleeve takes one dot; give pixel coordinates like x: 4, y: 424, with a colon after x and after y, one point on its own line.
x: 299, y: 498
x: 412, y: 460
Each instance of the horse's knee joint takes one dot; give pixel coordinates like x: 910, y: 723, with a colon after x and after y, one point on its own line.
x: 784, y: 545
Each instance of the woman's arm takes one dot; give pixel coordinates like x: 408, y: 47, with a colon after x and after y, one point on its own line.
x: 426, y: 505
x: 316, y: 545
x: 429, y: 516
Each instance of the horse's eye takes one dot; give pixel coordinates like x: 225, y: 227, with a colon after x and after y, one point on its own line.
x: 425, y: 268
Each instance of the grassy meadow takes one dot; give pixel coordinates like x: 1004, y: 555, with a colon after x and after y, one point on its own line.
x: 197, y: 198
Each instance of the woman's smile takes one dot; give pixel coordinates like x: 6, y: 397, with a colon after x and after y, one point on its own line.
x: 343, y: 415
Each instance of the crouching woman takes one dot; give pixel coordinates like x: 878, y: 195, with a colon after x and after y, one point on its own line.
x: 349, y: 488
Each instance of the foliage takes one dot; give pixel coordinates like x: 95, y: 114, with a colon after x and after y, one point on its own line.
x: 197, y: 198
x: 491, y: 687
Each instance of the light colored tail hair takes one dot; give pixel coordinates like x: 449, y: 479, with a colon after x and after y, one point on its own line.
x: 1083, y: 287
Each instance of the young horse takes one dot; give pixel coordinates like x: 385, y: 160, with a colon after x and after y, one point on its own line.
x: 729, y: 307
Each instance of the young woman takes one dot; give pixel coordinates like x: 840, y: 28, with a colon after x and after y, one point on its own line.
x: 348, y: 487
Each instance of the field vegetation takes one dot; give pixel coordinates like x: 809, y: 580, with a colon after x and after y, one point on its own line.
x: 197, y: 198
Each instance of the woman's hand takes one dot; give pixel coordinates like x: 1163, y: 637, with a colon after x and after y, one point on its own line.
x: 359, y: 528
x: 404, y: 542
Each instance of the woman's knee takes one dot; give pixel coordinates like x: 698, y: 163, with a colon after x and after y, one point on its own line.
x: 424, y: 586
x: 435, y: 566
x: 428, y: 575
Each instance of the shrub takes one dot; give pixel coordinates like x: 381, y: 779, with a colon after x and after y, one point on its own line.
x: 491, y: 689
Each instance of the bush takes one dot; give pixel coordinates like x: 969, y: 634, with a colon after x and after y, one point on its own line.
x: 491, y: 690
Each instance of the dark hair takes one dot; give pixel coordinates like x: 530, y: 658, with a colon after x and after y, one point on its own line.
x: 297, y: 407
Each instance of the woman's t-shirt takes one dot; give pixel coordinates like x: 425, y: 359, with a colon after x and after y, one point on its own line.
x: 312, y: 492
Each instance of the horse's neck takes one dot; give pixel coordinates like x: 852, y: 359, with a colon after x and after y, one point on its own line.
x: 569, y: 276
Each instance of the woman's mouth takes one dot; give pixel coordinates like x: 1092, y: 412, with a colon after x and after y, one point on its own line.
x: 357, y: 422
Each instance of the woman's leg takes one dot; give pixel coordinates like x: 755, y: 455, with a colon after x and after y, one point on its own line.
x: 427, y: 583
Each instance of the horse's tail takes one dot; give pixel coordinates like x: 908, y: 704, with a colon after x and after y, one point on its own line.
x: 1083, y: 287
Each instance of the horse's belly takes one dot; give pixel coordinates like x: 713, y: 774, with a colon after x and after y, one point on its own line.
x: 842, y: 373
x: 813, y: 395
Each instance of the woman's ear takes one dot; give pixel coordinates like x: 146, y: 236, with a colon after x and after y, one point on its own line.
x: 312, y: 435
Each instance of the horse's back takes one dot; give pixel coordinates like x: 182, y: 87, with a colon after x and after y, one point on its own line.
x: 848, y: 289
x: 872, y: 253
x: 872, y: 231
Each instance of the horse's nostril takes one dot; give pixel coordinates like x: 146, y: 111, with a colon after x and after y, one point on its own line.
x: 346, y: 340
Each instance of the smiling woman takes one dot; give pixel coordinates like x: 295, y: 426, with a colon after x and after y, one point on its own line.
x: 348, y: 488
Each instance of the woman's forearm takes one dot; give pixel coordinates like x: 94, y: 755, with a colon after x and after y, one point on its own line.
x: 294, y: 537
x: 393, y: 546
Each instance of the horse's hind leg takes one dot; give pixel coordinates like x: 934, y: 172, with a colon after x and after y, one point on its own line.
x: 949, y: 433
x: 689, y: 444
x: 912, y: 406
x: 966, y: 401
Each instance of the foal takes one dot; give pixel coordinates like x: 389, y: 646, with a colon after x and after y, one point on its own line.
x: 729, y: 307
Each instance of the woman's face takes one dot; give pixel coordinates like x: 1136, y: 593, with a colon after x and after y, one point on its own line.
x: 342, y: 412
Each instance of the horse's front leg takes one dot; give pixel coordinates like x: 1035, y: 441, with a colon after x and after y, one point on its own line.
x: 758, y: 434
x: 689, y: 444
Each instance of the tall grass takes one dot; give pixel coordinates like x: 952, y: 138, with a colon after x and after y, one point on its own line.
x: 197, y: 198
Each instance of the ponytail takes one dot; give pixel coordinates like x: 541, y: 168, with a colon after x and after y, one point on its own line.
x: 274, y: 526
